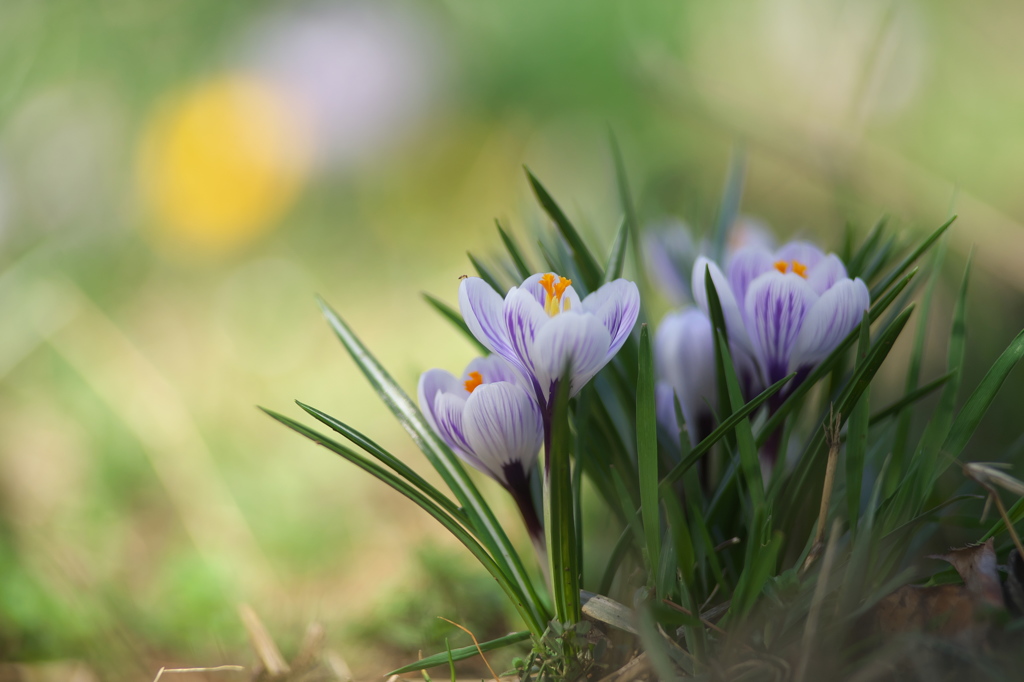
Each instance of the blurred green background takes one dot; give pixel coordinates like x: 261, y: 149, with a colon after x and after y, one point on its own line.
x: 177, y: 181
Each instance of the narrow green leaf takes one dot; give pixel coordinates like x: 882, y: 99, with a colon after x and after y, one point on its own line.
x: 857, y: 435
x: 855, y: 265
x: 686, y: 564
x: 462, y: 653
x: 486, y: 526
x: 725, y: 427
x: 485, y: 273
x: 501, y: 576
x: 898, y: 407
x: 559, y: 523
x: 749, y: 462
x: 898, y: 271
x: 617, y: 258
x: 514, y: 252
x: 455, y: 318
x: 622, y: 546
x: 396, y: 465
x: 729, y: 207
x: 589, y: 270
x: 647, y: 454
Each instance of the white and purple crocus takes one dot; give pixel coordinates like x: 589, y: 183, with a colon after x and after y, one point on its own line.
x: 498, y: 414
x: 787, y: 309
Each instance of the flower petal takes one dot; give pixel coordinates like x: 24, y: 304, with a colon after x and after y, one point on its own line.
x: 503, y: 425
x: 745, y: 266
x: 524, y: 317
x: 734, y: 323
x: 830, y: 319
x: 432, y: 382
x: 776, y: 306
x: 665, y: 408
x: 617, y: 305
x: 669, y: 252
x: 800, y: 251
x: 826, y: 273
x: 481, y: 308
x: 581, y: 340
x: 448, y: 409
x: 494, y: 368
x: 684, y: 353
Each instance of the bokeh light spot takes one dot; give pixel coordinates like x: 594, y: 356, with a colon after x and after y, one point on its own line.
x: 222, y: 162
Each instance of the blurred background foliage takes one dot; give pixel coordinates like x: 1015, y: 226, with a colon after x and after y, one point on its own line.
x: 178, y: 179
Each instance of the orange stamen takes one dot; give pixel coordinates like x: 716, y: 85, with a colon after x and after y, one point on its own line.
x: 554, y: 291
x: 793, y: 266
x: 475, y: 379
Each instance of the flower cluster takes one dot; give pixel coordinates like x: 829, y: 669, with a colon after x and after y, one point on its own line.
x: 497, y: 415
x: 785, y: 311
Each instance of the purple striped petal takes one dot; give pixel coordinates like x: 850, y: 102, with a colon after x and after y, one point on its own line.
x: 617, y: 305
x: 826, y: 273
x: 503, y: 426
x: 734, y: 323
x: 533, y: 286
x: 481, y: 308
x: 431, y: 383
x: 830, y: 319
x: 494, y: 368
x: 448, y: 409
x: 745, y: 266
x: 582, y: 341
x: 524, y: 317
x: 800, y: 251
x: 776, y: 306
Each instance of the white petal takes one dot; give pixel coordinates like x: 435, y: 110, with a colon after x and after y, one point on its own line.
x: 830, y: 319
x: 617, y: 305
x: 481, y: 308
x: 448, y: 409
x: 745, y: 266
x: 826, y: 273
x: 494, y: 368
x: 685, y: 356
x: 523, y: 318
x: 775, y: 308
x: 432, y: 382
x: 580, y: 340
x: 734, y: 323
x: 503, y: 425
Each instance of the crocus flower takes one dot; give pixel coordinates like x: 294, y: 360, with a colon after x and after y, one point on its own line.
x: 490, y: 419
x: 684, y: 357
x: 788, y: 309
x: 542, y: 326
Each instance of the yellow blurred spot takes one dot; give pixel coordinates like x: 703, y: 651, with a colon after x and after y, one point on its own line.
x: 222, y: 162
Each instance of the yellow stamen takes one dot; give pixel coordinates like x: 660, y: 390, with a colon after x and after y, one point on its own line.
x: 475, y: 379
x: 793, y: 266
x: 553, y: 291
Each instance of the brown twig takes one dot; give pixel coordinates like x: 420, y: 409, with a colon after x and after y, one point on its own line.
x: 832, y: 428
x: 475, y: 643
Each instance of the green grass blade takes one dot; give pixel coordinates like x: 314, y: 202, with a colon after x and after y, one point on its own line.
x: 396, y: 465
x: 485, y: 273
x: 647, y: 454
x: 898, y: 271
x: 428, y: 505
x: 514, y: 252
x: 978, y: 403
x: 617, y: 258
x: 455, y: 318
x: 729, y: 207
x: 619, y: 552
x: 721, y: 430
x: 462, y: 653
x: 898, y: 407
x: 855, y: 265
x: 749, y: 462
x: 559, y: 513
x: 588, y: 267
x: 447, y: 464
x: 857, y: 435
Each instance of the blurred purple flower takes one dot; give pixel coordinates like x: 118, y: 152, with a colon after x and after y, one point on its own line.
x: 542, y: 325
x: 788, y: 309
x: 684, y: 356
